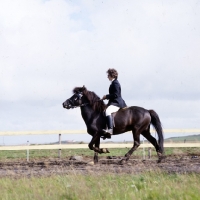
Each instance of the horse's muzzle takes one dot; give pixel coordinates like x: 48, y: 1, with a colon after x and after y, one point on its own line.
x: 65, y: 105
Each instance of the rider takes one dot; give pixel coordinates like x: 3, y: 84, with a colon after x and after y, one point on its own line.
x: 115, y: 100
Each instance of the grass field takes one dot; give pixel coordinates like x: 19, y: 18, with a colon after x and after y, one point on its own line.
x: 99, y: 185
x: 147, y: 186
x: 9, y: 155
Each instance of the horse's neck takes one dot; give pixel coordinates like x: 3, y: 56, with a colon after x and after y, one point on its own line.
x: 88, y: 114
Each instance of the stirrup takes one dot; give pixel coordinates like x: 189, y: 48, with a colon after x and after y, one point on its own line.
x: 108, y: 131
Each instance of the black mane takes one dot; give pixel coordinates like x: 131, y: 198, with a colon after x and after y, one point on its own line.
x: 94, y: 100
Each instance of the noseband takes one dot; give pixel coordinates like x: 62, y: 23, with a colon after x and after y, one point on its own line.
x: 79, y: 96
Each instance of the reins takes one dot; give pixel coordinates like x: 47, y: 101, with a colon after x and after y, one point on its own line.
x: 84, y: 104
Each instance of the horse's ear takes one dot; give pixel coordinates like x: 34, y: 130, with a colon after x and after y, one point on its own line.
x: 83, y: 88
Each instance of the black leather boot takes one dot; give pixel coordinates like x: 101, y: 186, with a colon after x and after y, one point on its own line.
x: 109, y: 123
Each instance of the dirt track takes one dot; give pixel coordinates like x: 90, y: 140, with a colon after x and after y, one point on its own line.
x: 84, y: 165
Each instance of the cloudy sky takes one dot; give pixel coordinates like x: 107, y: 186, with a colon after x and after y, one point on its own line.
x: 47, y: 47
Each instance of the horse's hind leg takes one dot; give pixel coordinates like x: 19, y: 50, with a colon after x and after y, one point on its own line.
x: 154, y: 142
x: 136, y: 144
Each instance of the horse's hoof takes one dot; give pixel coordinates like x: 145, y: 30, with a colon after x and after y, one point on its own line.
x: 160, y: 159
x: 105, y: 150
x: 122, y: 162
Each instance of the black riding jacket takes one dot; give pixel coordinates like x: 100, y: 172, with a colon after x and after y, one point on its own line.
x: 114, y: 95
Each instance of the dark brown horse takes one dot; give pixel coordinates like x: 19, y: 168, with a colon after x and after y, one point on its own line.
x: 135, y: 119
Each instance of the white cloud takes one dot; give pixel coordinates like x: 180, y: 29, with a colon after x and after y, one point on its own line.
x: 49, y: 47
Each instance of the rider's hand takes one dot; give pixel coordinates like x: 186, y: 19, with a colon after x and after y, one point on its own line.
x: 104, y: 97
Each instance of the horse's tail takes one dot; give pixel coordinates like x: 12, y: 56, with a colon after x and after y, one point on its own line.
x: 155, y: 121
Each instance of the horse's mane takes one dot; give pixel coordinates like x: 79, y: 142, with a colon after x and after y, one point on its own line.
x: 96, y: 103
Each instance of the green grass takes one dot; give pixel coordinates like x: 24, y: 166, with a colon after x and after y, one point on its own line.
x: 189, y: 138
x: 37, y: 154
x: 159, y: 186
x: 98, y: 185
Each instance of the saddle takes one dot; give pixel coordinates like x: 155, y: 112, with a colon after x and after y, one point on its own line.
x: 107, y: 136
x: 114, y: 114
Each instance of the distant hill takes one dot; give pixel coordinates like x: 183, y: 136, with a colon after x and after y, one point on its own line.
x: 68, y: 142
x: 189, y: 138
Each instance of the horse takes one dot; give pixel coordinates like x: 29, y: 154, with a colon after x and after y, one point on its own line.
x: 133, y: 118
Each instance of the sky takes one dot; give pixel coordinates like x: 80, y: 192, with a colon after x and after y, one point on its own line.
x: 48, y: 47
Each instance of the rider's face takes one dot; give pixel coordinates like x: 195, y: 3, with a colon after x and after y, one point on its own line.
x: 110, y: 77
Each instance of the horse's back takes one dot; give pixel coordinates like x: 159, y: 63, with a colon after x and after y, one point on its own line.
x: 128, y: 118
x: 132, y: 110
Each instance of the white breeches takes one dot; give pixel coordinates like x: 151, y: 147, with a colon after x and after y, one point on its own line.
x: 111, y: 109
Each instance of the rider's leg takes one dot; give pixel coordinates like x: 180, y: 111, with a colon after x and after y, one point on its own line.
x: 109, y: 120
x: 109, y: 123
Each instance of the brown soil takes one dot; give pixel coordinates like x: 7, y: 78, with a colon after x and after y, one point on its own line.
x: 53, y: 166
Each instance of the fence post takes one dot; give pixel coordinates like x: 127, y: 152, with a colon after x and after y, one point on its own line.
x: 143, y: 150
x: 149, y: 152
x: 59, y: 151
x: 27, y: 153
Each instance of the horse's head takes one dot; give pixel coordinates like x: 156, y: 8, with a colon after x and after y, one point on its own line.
x: 76, y: 99
x: 83, y: 97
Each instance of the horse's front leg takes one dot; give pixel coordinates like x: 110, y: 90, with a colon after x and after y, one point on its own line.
x: 94, y: 145
x: 96, y: 141
x: 96, y: 153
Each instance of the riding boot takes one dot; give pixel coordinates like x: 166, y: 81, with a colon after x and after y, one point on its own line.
x: 109, y: 123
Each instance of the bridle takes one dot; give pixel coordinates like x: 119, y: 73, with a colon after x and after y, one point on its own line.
x: 77, y: 97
